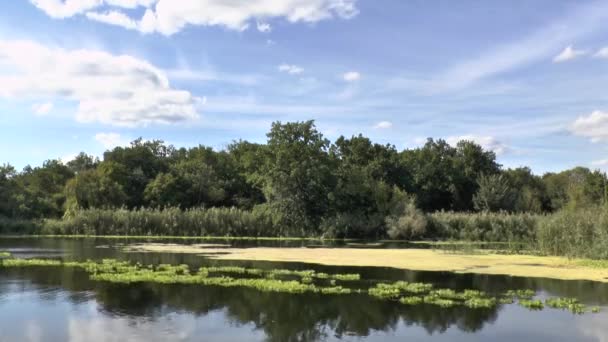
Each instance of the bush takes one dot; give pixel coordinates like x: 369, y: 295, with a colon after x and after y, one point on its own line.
x: 406, y: 221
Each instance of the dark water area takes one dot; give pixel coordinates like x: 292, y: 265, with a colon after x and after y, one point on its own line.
x: 62, y: 304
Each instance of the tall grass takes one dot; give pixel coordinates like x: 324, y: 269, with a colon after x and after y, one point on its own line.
x: 485, y: 226
x: 579, y: 233
x: 169, y: 222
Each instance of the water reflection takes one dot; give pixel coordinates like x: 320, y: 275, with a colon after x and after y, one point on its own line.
x: 41, y: 304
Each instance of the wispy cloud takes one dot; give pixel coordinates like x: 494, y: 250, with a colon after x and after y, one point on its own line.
x: 169, y: 17
x: 291, y: 69
x: 539, y: 45
x: 383, y: 125
x: 351, y: 76
x: 593, y: 126
x: 488, y: 143
x: 264, y: 27
x: 110, y: 140
x: 602, y: 53
x: 42, y: 109
x: 568, y: 54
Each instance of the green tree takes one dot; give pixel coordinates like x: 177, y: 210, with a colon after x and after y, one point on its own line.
x: 96, y: 188
x: 297, y: 176
x: 494, y: 194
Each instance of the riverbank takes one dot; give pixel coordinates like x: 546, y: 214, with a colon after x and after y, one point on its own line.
x: 411, y: 259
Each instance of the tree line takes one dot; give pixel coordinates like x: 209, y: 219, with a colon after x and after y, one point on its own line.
x: 306, y: 185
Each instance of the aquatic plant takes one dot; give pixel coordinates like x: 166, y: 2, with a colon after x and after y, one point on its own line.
x: 411, y: 300
x: 521, y: 294
x: 476, y: 303
x: 11, y: 262
x: 125, y: 272
x: 571, y: 304
x: 5, y: 254
x: 531, y: 304
x: 442, y: 302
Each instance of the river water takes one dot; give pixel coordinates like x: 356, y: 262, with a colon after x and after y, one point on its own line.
x: 62, y: 304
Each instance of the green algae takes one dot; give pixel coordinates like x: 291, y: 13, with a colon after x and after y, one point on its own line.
x: 277, y: 280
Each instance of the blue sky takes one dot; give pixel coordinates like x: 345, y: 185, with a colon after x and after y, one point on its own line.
x: 524, y: 78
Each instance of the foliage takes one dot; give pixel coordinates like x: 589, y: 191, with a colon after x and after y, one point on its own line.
x: 494, y: 193
x: 406, y: 221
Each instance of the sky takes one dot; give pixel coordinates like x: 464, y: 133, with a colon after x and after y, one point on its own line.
x: 526, y: 79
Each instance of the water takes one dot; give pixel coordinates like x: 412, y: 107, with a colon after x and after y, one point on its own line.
x: 62, y: 304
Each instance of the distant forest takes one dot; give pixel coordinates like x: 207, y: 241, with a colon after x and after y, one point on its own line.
x: 302, y: 180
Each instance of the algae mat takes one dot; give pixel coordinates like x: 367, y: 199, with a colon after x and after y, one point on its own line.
x: 411, y: 259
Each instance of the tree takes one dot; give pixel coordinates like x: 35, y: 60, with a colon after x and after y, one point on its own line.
x: 39, y: 191
x: 141, y: 163
x: 297, y: 176
x: 96, y: 188
x: 470, y: 162
x: 7, y: 190
x: 530, y: 191
x: 494, y: 193
x: 577, y: 188
x: 82, y: 162
x: 434, y: 174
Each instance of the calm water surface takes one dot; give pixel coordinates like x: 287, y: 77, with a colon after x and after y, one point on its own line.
x: 54, y: 304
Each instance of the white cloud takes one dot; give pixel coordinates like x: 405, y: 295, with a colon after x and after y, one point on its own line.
x: 594, y: 126
x: 602, y: 53
x: 110, y: 140
x: 264, y: 27
x: 68, y: 158
x: 352, y: 76
x: 170, y: 16
x: 64, y: 9
x: 539, y: 45
x: 291, y: 69
x: 383, y: 125
x: 113, y: 18
x: 488, y: 143
x: 567, y: 54
x: 42, y: 109
x: 110, y: 89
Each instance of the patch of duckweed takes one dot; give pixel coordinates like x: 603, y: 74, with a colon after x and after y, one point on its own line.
x: 570, y: 304
x: 441, y: 302
x: 125, y: 272
x: 532, y: 304
x: 411, y: 300
x: 11, y: 262
x: 479, y: 303
x: 520, y: 294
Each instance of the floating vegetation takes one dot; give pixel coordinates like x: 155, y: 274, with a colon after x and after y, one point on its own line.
x: 520, y: 294
x: 531, y: 304
x: 5, y: 254
x: 406, y: 293
x: 442, y: 302
x: 412, y: 300
x: 570, y: 304
x: 478, y: 303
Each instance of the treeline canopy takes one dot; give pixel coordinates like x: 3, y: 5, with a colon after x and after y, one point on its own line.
x: 306, y: 182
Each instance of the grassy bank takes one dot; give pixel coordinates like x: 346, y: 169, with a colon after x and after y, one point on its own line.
x: 574, y: 233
